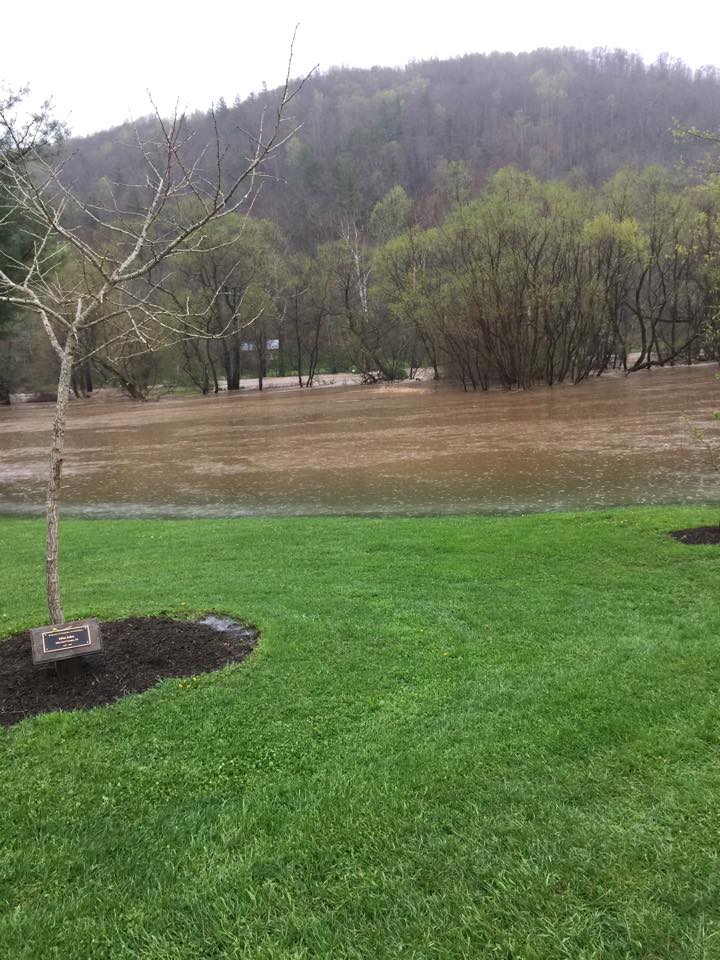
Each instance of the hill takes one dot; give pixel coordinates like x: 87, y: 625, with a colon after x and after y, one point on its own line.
x: 552, y: 112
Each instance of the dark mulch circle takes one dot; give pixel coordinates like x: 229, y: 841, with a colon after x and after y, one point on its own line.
x: 137, y: 654
x: 697, y: 535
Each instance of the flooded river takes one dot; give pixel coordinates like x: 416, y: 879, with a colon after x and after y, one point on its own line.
x: 416, y: 449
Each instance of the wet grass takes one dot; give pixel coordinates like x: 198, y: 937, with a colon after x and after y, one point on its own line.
x: 459, y: 738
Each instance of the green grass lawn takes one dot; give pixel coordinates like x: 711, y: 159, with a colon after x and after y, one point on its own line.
x: 459, y: 738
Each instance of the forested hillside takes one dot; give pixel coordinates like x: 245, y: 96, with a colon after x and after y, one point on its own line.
x: 552, y: 112
x: 500, y: 219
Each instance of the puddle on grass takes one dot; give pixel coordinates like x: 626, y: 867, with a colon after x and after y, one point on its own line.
x: 231, y: 628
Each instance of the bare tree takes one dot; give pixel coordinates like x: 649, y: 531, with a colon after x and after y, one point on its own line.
x: 378, y: 348
x: 307, y: 309
x: 97, y: 273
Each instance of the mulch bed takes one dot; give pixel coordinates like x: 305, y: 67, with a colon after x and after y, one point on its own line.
x: 697, y: 535
x: 137, y: 654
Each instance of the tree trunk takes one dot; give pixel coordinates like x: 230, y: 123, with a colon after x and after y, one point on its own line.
x: 216, y: 385
x: 52, y: 572
x: 87, y: 378
x: 262, y: 364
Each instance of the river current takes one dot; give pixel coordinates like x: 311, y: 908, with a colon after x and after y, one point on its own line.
x: 417, y: 448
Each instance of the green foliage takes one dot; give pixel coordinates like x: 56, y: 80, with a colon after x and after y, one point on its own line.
x: 537, y: 281
x: 390, y: 217
x: 453, y: 182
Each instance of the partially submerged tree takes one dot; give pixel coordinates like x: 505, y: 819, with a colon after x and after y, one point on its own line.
x: 97, y: 273
x: 235, y: 270
x: 377, y: 347
x: 308, y: 299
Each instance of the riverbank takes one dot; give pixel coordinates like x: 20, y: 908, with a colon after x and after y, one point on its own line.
x: 459, y: 737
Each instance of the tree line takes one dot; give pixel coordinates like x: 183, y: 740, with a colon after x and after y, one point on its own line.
x: 528, y: 282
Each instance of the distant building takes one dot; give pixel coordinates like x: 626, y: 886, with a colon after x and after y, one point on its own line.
x: 249, y: 345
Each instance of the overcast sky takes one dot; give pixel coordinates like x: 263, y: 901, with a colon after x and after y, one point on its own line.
x: 98, y: 61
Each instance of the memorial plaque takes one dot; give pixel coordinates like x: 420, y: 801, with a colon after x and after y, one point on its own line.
x: 76, y: 639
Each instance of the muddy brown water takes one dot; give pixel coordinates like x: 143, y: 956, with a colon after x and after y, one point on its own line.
x: 402, y: 449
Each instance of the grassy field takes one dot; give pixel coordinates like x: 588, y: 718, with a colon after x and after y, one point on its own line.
x: 459, y: 738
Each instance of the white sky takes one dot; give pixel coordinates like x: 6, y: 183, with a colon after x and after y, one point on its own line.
x: 97, y: 61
